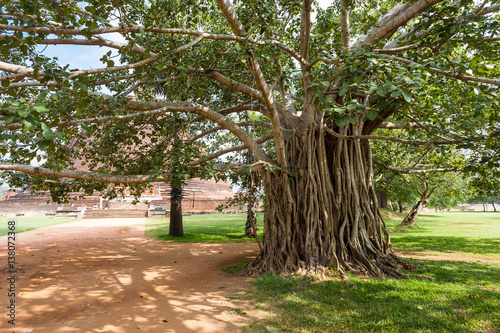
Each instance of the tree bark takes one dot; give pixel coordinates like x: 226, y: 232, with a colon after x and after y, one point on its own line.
x: 400, y: 206
x: 382, y: 199
x: 251, y: 224
x: 323, y: 212
x: 411, y: 218
x: 494, y: 207
x: 176, y: 227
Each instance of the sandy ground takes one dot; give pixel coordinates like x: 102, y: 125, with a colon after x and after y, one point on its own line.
x: 106, y: 276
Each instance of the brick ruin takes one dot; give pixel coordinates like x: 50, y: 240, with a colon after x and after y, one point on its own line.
x: 200, y: 196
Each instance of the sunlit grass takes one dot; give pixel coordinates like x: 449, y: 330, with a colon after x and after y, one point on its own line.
x: 468, y: 233
x: 25, y: 223
x: 463, y: 297
x: 210, y: 228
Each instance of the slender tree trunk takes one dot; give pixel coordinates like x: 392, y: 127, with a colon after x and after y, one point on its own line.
x: 494, y: 208
x: 323, y: 210
x: 176, y: 228
x: 484, y: 207
x: 400, y: 206
x: 411, y: 218
x: 251, y: 224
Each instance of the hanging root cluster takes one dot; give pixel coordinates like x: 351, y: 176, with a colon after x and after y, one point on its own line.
x: 324, y: 213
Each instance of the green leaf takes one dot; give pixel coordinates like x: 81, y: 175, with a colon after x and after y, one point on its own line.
x: 28, y: 124
x: 371, y: 115
x: 381, y: 92
x: 23, y: 112
x: 10, y: 119
x: 342, y: 121
x: 407, y: 96
x: 5, y: 83
x: 40, y: 108
x: 92, y: 26
x: 47, y: 131
x: 396, y: 93
x: 44, y: 144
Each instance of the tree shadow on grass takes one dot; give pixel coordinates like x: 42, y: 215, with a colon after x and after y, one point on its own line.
x: 462, y: 298
x: 413, y: 244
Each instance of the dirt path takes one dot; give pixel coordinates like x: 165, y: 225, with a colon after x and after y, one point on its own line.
x: 446, y: 256
x: 105, y: 276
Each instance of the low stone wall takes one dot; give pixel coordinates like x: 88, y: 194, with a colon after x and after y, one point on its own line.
x: 27, y: 211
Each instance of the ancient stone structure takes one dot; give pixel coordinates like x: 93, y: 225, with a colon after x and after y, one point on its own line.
x: 199, y: 196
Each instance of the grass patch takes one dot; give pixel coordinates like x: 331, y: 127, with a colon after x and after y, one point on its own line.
x: 468, y: 233
x: 24, y: 223
x: 237, y: 268
x: 210, y: 228
x: 464, y: 297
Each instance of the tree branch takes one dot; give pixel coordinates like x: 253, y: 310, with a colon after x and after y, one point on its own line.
x: 397, y: 125
x: 412, y: 171
x: 210, y: 157
x: 208, y: 114
x: 215, y: 129
x: 441, y: 72
x: 84, y: 175
x: 394, y: 19
x: 344, y: 23
x: 410, y: 142
x: 229, y: 13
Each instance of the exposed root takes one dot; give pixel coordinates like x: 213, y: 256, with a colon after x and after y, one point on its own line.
x: 323, y: 213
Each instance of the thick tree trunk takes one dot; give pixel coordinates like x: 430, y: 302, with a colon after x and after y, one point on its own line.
x: 323, y: 211
x: 176, y: 228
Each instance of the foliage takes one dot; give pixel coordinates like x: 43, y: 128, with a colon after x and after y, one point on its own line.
x: 447, y: 189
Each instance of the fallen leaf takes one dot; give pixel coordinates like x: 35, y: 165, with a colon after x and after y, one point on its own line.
x: 140, y: 327
x: 64, y: 289
x: 419, y: 307
x: 165, y: 321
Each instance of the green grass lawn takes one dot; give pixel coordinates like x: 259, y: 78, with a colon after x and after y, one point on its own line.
x: 469, y: 233
x: 463, y: 296
x: 24, y: 223
x: 210, y: 228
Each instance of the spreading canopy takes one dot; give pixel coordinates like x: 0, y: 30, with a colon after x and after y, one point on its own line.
x: 430, y: 62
